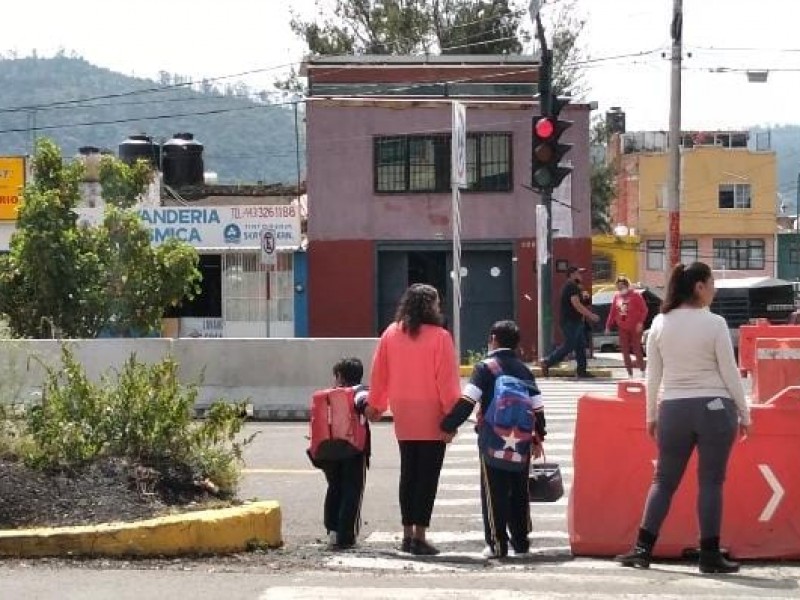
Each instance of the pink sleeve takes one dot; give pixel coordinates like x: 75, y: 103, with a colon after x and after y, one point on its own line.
x: 378, y: 380
x: 448, y: 383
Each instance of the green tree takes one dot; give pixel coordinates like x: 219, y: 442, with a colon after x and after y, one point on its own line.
x: 412, y: 27
x: 64, y: 280
x: 122, y: 184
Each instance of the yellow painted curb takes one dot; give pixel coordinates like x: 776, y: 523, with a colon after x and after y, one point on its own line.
x: 218, y: 531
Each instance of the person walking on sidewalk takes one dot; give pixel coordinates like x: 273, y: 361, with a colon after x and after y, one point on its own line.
x: 414, y: 372
x: 572, y: 316
x: 628, y: 313
x: 703, y: 404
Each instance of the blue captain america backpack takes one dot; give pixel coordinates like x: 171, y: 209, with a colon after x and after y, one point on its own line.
x: 506, y: 429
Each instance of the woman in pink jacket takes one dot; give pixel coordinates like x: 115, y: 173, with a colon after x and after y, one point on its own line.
x: 415, y: 374
x: 628, y: 312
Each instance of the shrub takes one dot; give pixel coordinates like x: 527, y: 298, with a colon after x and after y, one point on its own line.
x: 142, y: 413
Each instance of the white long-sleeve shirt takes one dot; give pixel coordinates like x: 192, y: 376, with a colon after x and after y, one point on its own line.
x: 689, y: 351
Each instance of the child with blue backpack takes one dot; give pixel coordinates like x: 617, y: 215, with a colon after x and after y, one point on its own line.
x: 511, y: 428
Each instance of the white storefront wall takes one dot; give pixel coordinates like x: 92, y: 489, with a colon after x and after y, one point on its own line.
x: 257, y: 300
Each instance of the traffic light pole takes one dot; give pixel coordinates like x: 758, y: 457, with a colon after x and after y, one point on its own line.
x: 545, y: 271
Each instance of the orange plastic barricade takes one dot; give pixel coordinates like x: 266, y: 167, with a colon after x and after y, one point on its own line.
x: 748, y: 334
x: 777, y: 366
x: 614, y: 460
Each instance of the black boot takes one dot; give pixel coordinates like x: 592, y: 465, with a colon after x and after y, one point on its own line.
x: 642, y: 552
x: 712, y: 560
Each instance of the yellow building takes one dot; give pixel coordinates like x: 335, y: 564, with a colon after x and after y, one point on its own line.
x: 614, y: 255
x: 728, y: 200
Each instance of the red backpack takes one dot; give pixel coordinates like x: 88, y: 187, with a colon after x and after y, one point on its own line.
x: 337, y: 430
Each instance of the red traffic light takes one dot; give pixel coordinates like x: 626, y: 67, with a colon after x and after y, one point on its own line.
x: 544, y: 128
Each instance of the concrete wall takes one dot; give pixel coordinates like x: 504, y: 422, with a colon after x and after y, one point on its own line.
x: 276, y: 376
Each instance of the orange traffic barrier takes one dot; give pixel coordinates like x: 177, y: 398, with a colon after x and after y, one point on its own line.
x: 760, y: 329
x: 777, y: 367
x: 614, y: 461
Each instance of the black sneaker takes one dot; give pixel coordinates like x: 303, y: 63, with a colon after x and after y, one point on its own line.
x: 639, y: 557
x: 545, y: 369
x: 586, y: 375
x: 405, y: 545
x: 423, y: 548
x: 520, y: 548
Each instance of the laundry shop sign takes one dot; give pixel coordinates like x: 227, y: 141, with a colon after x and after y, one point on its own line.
x: 215, y: 227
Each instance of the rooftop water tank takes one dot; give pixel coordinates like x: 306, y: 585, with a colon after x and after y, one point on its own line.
x: 140, y: 146
x: 183, y: 161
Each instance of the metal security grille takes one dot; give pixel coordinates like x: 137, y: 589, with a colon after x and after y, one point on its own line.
x: 421, y: 163
x: 255, y: 301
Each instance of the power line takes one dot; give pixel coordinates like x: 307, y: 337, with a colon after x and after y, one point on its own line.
x: 149, y: 90
x: 382, y: 93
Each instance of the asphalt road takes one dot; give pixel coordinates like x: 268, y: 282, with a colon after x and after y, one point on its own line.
x: 277, y: 468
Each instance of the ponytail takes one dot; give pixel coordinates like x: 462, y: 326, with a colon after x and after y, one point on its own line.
x: 682, y: 283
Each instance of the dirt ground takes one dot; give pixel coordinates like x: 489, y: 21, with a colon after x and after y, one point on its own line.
x: 109, y: 490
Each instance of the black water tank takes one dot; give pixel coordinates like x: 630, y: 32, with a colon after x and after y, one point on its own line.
x: 183, y: 161
x: 140, y: 147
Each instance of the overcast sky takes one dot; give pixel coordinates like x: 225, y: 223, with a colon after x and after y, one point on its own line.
x: 205, y: 38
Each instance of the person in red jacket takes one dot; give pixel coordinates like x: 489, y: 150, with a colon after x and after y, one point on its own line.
x: 628, y: 313
x: 415, y: 374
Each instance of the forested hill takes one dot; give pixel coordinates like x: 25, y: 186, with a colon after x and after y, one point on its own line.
x: 247, y: 137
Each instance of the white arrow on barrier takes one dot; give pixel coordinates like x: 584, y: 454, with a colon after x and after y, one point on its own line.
x: 777, y: 494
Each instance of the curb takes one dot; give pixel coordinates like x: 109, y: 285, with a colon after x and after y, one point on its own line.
x: 218, y: 531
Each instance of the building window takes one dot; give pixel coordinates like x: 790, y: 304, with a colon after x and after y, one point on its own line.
x: 739, y: 255
x: 662, y: 196
x: 421, y: 163
x: 689, y: 251
x: 794, y: 254
x: 734, y: 195
x: 656, y: 252
x: 602, y: 268
x: 391, y: 164
x: 655, y: 255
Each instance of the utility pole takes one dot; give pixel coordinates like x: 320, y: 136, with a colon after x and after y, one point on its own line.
x: 673, y: 245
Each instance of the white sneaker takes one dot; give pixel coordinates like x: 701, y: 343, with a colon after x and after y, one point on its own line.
x: 488, y: 552
x: 332, y: 538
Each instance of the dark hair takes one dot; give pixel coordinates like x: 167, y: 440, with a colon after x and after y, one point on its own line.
x: 506, y: 334
x: 623, y: 279
x: 417, y: 308
x: 682, y: 283
x: 349, y: 371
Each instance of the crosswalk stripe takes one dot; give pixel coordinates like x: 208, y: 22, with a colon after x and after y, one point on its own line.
x: 451, y: 537
x: 472, y: 472
x: 429, y: 593
x: 537, y: 514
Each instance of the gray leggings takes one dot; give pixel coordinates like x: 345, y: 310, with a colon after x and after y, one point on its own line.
x: 710, y: 424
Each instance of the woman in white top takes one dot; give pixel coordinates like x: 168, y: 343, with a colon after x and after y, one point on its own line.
x: 702, y: 405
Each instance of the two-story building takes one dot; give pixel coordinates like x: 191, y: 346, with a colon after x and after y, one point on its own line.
x: 727, y: 201
x: 379, y: 196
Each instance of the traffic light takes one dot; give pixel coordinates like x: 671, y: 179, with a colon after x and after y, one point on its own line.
x: 547, y: 151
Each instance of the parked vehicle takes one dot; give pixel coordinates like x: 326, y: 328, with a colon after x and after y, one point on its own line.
x: 741, y: 300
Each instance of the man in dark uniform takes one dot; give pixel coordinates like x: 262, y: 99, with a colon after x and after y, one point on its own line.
x: 572, y: 316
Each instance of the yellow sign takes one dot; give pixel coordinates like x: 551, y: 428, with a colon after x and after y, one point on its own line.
x: 12, y: 180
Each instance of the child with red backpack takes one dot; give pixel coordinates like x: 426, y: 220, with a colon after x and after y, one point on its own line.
x: 511, y: 428
x: 340, y: 446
